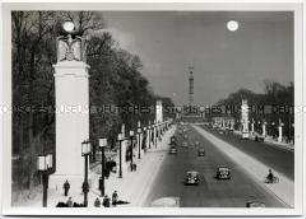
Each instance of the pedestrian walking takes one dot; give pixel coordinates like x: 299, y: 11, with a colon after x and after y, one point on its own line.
x: 69, y: 202
x: 66, y: 187
x: 97, y: 203
x: 106, y: 201
x: 114, y: 198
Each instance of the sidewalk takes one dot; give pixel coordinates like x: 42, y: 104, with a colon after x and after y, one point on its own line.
x: 284, y: 190
x: 135, y: 186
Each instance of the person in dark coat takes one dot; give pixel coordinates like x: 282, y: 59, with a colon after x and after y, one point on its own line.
x: 114, y: 198
x: 97, y: 203
x: 270, y: 176
x: 106, y: 201
x: 66, y: 187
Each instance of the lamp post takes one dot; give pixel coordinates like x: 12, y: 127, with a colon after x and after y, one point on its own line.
x: 102, y: 145
x: 44, y: 164
x: 155, y: 134
x: 120, y: 139
x: 139, y: 133
x: 86, y: 148
x: 132, y: 144
x: 144, y: 140
x: 149, y: 134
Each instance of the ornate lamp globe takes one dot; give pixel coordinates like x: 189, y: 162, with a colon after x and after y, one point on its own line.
x: 68, y: 26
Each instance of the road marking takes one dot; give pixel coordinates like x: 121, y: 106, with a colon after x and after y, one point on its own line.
x: 283, y: 190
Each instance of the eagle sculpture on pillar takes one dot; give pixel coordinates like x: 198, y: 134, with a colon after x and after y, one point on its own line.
x: 70, y: 48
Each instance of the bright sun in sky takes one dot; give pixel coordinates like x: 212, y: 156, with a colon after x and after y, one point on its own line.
x: 232, y: 26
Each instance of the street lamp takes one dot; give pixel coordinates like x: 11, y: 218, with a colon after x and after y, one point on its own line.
x: 120, y: 139
x: 132, y: 144
x: 86, y: 148
x: 102, y: 145
x: 44, y: 164
x: 139, y: 133
x: 155, y: 134
x: 144, y: 140
x: 149, y: 134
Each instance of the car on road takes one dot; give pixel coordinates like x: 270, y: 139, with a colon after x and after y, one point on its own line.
x: 259, y: 138
x: 223, y: 173
x: 201, y: 152
x: 173, y: 150
x: 197, y: 143
x: 192, y: 178
x: 173, y: 140
x: 184, y: 144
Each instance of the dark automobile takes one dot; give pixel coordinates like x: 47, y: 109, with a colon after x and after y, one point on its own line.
x: 173, y: 150
x: 223, y: 173
x: 173, y: 140
x: 184, y: 144
x: 259, y: 138
x: 192, y: 178
x: 201, y: 152
x: 197, y: 143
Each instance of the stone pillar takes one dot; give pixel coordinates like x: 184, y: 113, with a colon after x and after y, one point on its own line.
x: 72, y: 123
x: 159, y: 111
x: 280, y: 131
x: 232, y: 125
x: 245, y: 119
x: 264, y: 130
x: 253, y: 127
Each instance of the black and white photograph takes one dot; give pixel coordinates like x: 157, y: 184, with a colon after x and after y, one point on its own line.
x: 170, y: 110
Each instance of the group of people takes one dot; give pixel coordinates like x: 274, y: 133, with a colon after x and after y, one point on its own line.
x: 106, y: 202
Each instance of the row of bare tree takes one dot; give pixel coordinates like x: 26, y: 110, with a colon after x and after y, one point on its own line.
x: 275, y: 104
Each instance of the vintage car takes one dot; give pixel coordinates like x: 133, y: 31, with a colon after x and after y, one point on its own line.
x: 184, y: 144
x: 167, y: 202
x: 221, y: 132
x: 173, y: 150
x: 201, y: 152
x: 255, y: 204
x: 197, y: 143
x: 192, y: 178
x: 223, y: 173
x: 173, y: 140
x: 259, y: 138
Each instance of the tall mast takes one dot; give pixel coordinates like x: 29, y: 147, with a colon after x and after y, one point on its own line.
x: 191, y: 85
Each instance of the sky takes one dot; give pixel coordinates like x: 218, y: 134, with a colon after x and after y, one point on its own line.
x: 223, y: 61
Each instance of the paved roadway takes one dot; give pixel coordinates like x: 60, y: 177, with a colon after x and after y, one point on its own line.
x: 275, y: 157
x: 210, y: 192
